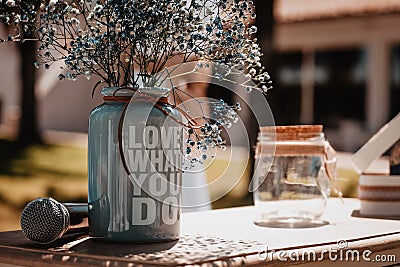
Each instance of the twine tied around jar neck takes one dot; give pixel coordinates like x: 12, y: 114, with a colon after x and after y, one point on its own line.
x: 158, y: 102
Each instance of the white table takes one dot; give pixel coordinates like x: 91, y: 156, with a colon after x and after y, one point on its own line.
x: 228, y: 237
x: 381, y: 236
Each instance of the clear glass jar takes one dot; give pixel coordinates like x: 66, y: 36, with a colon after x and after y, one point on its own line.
x: 291, y: 179
x: 145, y: 205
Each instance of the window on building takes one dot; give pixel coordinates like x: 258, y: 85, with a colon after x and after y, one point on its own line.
x: 339, y: 94
x: 284, y: 99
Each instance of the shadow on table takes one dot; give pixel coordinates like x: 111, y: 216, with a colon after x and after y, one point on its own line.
x: 189, y: 250
x: 292, y: 225
x: 356, y: 213
x: 93, y: 247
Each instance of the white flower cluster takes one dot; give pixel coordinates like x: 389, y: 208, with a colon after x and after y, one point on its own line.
x: 10, y: 3
x: 113, y: 39
x: 127, y: 42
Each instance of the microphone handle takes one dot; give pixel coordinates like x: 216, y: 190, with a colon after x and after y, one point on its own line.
x: 77, y: 212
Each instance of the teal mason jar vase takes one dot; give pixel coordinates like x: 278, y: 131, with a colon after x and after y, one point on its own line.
x: 134, y: 167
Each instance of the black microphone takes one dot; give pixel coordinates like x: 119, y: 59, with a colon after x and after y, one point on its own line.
x: 44, y: 220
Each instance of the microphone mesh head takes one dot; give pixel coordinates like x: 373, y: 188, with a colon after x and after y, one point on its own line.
x: 44, y: 220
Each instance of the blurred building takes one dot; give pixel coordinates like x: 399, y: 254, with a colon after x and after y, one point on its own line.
x: 338, y: 64
x: 63, y: 106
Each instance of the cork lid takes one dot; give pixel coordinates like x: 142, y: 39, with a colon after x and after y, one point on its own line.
x: 292, y: 132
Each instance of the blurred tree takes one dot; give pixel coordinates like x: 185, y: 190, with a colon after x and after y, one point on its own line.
x: 265, y: 22
x: 28, y: 130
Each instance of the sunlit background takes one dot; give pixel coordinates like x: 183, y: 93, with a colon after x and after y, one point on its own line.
x: 332, y: 62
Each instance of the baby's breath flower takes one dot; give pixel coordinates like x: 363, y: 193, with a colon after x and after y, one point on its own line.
x: 52, y: 2
x: 10, y: 3
x: 114, y: 39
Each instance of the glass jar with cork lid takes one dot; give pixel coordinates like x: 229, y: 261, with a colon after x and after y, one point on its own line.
x: 294, y: 168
